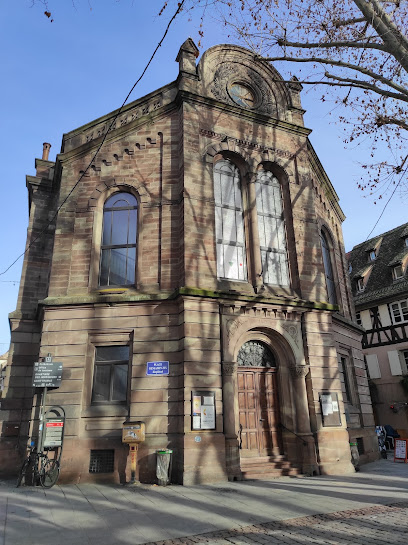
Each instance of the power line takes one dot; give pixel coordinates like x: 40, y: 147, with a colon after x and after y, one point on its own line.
x: 40, y: 234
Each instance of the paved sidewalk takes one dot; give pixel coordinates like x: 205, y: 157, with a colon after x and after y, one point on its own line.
x: 258, y: 512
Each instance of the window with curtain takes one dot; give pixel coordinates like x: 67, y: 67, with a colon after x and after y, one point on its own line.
x: 328, y: 269
x: 118, y: 249
x: 271, y: 225
x: 229, y: 222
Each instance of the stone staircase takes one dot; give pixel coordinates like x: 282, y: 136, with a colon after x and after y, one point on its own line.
x: 267, y: 467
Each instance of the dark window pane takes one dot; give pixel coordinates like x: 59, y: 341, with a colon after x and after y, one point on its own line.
x: 104, y: 274
x: 117, y: 274
x: 112, y: 353
x: 101, y: 389
x: 120, y: 373
x: 132, y: 226
x: 120, y: 227
x: 131, y: 266
x: 107, y: 227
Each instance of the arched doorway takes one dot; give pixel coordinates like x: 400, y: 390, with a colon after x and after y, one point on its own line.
x: 258, y: 401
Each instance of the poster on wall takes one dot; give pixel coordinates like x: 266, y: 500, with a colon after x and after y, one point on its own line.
x: 400, y: 450
x: 329, y: 405
x: 203, y: 410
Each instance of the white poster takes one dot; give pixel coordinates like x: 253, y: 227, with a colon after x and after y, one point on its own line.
x: 327, y: 404
x: 196, y: 422
x: 207, y: 417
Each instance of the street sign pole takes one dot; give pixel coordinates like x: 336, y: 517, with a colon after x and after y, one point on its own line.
x: 42, y: 421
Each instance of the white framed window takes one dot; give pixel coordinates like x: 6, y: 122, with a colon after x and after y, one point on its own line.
x: 358, y: 318
x: 328, y: 269
x: 271, y: 225
x: 399, y: 311
x: 372, y: 255
x: 229, y: 222
x: 397, y: 272
x: 360, y: 284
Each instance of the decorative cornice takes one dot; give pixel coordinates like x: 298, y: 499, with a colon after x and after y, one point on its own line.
x: 247, y: 144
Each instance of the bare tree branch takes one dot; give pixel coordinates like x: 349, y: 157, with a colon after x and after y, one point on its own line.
x: 402, y: 90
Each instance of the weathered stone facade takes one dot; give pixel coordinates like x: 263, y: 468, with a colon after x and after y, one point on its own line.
x: 162, y: 149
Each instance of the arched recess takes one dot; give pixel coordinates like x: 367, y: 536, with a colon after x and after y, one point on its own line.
x: 285, y: 359
x: 281, y: 174
x: 331, y: 270
x: 96, y: 203
x: 285, y: 341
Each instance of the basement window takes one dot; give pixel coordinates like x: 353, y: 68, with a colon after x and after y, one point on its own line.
x: 102, y: 461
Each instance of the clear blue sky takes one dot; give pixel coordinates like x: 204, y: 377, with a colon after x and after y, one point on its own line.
x: 58, y: 76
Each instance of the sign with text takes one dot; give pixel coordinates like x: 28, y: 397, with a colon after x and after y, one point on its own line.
x: 330, y: 410
x: 400, y: 450
x: 157, y: 368
x: 203, y: 410
x: 54, y: 428
x: 47, y: 374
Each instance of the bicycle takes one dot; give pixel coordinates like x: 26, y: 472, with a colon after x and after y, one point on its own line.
x: 43, y: 470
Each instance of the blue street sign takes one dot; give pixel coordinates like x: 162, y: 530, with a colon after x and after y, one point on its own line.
x: 155, y: 368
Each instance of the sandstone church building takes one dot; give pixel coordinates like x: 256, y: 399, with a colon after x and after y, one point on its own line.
x: 206, y: 234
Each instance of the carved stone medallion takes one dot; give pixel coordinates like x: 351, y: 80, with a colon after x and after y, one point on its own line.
x: 230, y: 73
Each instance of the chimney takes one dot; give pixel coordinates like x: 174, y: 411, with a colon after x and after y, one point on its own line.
x: 46, y: 151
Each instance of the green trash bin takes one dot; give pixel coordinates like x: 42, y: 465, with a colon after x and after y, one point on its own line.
x: 163, y: 466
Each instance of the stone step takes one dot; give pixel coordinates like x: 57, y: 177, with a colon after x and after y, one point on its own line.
x: 267, y: 467
x: 269, y: 473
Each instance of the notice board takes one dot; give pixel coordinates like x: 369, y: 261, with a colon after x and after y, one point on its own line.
x: 203, y: 410
x: 329, y: 405
x: 400, y: 450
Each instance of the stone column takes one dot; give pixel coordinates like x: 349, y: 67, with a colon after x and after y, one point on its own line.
x: 308, y: 458
x: 254, y: 231
x: 230, y: 407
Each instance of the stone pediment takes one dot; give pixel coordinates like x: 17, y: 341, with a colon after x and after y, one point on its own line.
x: 224, y: 66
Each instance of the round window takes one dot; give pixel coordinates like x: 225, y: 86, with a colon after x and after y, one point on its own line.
x: 242, y: 95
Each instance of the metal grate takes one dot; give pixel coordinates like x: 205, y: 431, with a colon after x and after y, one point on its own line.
x: 102, y: 461
x: 360, y: 445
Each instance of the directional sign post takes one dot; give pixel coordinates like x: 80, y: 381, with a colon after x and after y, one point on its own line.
x: 47, y: 374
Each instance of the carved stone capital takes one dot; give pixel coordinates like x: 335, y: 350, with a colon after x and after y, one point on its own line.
x: 299, y: 371
x: 229, y: 368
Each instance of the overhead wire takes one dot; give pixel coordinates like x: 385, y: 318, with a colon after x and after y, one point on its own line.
x: 41, y: 233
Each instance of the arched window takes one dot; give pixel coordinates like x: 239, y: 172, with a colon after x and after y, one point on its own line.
x: 271, y: 225
x: 229, y: 222
x: 328, y: 269
x: 118, y: 249
x: 255, y: 354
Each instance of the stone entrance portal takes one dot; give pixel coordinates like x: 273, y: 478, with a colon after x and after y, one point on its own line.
x: 258, y: 401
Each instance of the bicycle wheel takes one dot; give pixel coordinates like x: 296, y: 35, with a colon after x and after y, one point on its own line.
x: 23, y: 472
x: 49, y: 473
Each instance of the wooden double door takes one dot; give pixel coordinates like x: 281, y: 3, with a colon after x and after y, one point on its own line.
x: 259, y: 416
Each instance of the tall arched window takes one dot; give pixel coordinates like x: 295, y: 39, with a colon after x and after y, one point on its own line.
x: 229, y: 222
x: 271, y: 225
x: 328, y: 269
x: 118, y: 249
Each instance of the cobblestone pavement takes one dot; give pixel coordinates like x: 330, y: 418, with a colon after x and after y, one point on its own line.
x: 382, y: 524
